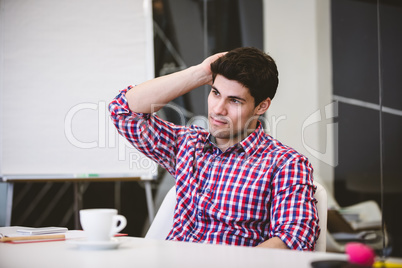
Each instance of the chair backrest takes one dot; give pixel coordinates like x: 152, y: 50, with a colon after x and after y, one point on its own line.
x: 322, y: 209
x: 163, y: 222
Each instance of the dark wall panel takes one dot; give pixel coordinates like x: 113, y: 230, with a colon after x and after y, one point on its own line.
x: 367, y: 47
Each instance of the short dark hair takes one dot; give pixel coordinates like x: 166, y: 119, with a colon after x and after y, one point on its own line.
x: 250, y: 67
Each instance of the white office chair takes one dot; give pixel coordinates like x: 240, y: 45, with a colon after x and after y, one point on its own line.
x: 163, y: 221
x: 322, y: 208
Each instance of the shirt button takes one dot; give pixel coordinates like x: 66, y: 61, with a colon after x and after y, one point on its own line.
x: 208, y: 190
x: 199, y: 214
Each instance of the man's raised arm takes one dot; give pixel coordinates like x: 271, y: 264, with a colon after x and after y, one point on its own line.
x: 162, y: 90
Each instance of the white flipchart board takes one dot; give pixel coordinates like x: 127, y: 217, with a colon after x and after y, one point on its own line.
x: 62, y: 63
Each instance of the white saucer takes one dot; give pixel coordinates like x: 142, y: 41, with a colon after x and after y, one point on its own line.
x: 96, y: 245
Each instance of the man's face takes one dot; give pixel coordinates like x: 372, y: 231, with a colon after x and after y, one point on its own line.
x: 231, y: 112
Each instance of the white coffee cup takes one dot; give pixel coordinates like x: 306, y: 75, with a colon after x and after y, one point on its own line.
x: 101, y: 224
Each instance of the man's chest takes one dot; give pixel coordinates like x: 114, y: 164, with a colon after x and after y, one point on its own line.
x: 232, y: 183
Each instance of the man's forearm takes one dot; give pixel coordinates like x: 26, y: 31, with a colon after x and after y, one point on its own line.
x: 162, y: 90
x: 152, y: 95
x: 274, y: 242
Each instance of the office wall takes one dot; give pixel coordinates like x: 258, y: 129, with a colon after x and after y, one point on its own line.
x: 297, y: 34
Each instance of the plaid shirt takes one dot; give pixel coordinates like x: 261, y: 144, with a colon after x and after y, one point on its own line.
x: 255, y: 190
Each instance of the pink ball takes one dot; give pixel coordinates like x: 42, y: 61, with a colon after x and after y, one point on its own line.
x: 360, y: 254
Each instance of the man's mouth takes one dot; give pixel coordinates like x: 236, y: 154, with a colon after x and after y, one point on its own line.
x: 218, y: 120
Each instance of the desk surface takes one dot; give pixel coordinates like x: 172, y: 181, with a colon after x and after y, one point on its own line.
x: 141, y: 252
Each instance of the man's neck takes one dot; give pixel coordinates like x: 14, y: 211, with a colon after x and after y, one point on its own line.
x: 224, y: 144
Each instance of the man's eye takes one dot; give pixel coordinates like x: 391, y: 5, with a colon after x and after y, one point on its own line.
x: 236, y: 101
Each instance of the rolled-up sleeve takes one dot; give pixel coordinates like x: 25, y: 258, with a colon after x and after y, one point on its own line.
x: 146, y: 132
x: 294, y: 217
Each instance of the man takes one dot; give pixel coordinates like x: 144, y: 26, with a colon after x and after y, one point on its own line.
x: 234, y: 184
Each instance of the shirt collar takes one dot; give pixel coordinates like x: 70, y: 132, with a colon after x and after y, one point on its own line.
x: 251, y: 142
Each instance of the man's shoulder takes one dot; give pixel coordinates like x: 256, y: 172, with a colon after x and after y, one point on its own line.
x: 273, y: 148
x: 182, y: 129
x: 193, y: 131
x: 190, y: 134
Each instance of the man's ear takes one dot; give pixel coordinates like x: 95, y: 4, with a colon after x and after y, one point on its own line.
x: 263, y: 106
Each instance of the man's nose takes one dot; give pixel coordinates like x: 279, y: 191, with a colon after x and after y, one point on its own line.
x: 220, y: 108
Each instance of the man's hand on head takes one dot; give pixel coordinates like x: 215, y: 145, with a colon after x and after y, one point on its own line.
x: 206, y: 64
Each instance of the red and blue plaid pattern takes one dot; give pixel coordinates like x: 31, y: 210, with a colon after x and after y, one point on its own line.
x: 255, y: 190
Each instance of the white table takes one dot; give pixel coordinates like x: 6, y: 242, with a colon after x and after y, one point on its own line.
x: 141, y: 252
